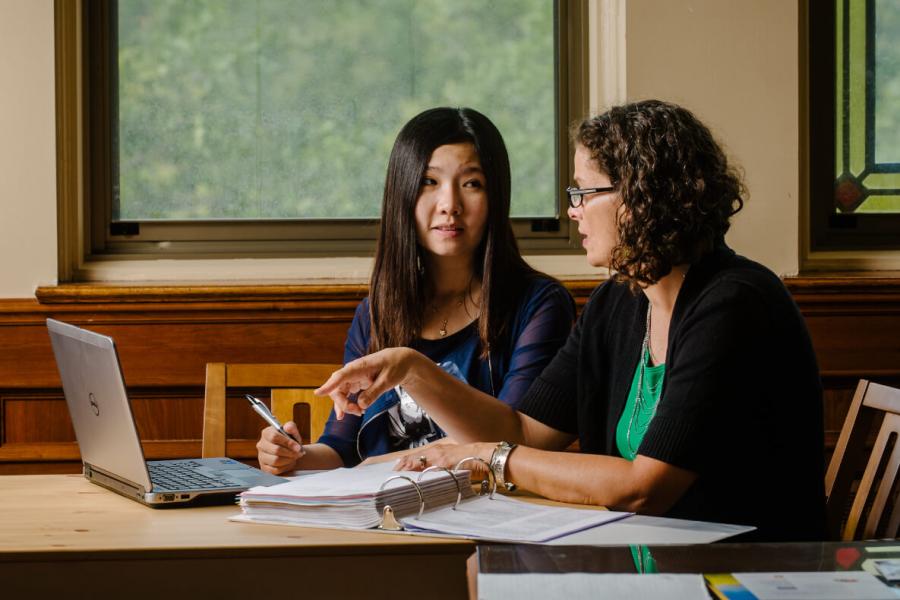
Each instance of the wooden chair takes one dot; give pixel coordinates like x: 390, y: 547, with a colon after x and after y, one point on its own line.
x: 870, y: 402
x: 290, y: 384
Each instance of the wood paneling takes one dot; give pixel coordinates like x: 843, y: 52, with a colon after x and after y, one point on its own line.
x: 32, y: 419
x: 171, y: 348
x: 166, y: 334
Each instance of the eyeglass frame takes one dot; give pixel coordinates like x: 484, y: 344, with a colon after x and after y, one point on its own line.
x: 573, y: 192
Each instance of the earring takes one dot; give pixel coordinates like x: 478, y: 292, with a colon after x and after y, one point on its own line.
x: 419, y: 267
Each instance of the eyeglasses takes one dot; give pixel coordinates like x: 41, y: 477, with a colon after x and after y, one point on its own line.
x: 576, y: 195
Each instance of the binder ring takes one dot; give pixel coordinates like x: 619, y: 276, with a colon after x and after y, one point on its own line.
x: 415, y: 485
x: 452, y: 476
x: 490, y: 471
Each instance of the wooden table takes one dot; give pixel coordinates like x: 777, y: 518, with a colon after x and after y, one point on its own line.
x: 61, y: 535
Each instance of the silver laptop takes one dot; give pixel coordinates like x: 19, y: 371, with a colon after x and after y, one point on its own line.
x: 107, y: 437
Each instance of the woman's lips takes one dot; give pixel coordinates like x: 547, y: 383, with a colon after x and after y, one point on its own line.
x: 448, y: 231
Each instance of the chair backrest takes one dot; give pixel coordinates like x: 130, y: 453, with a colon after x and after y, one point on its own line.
x: 875, y: 498
x: 290, y: 384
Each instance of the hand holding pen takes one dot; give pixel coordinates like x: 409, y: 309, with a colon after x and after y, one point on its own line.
x: 279, y: 448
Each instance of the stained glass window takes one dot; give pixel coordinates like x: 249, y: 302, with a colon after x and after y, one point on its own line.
x: 867, y: 119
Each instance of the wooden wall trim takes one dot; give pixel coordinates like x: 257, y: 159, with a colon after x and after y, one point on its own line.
x: 85, y: 293
x: 853, y: 318
x: 177, y: 293
x: 878, y: 282
x: 846, y: 295
x: 153, y: 450
x: 166, y: 334
x: 30, y: 312
x: 878, y: 288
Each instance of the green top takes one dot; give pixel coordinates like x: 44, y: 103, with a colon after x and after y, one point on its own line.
x: 643, y: 560
x: 640, y: 420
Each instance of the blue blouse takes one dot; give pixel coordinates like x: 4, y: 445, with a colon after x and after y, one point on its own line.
x: 539, y: 328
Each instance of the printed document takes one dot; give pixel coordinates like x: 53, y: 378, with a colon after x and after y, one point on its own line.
x: 507, y: 519
x: 825, y: 585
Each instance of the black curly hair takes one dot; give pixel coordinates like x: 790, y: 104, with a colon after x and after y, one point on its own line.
x: 676, y: 185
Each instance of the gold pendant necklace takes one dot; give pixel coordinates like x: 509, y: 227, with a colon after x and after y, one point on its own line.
x: 443, y: 329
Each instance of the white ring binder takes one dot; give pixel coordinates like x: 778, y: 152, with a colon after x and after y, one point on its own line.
x: 388, y: 521
x: 369, y: 497
x: 490, y: 472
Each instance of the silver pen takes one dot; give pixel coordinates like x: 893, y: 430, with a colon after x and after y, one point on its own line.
x: 263, y: 411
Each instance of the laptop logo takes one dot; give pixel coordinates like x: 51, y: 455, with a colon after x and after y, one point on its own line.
x: 94, y: 405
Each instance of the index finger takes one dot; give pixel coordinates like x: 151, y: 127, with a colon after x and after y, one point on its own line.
x: 367, y: 396
x: 353, y: 374
x: 344, y: 404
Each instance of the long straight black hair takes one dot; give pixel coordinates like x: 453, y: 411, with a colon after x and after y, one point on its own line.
x: 398, y: 288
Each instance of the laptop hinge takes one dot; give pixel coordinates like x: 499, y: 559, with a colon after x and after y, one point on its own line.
x: 116, y: 484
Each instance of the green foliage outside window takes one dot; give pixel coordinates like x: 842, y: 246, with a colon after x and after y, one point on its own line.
x: 285, y: 109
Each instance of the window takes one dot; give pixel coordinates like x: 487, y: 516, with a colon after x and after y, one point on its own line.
x: 855, y: 124
x: 264, y: 128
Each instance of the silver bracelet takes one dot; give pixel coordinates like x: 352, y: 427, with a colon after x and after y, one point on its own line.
x: 499, y: 458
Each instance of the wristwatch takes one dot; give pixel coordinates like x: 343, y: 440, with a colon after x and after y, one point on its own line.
x: 498, y: 464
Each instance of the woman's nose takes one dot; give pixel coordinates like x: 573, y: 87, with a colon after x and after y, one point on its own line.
x: 449, y: 200
x: 575, y: 213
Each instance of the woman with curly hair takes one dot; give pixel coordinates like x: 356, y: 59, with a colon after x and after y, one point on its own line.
x: 689, y: 380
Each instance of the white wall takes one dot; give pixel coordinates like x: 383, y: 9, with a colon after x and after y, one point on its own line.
x: 27, y: 147
x: 735, y: 64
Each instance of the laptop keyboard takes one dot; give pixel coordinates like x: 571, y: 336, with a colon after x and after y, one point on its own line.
x: 184, y: 477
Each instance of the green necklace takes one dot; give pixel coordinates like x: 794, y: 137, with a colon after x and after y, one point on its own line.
x: 639, y: 400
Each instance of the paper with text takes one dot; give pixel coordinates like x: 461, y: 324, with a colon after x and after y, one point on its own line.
x: 503, y: 518
x: 825, y: 585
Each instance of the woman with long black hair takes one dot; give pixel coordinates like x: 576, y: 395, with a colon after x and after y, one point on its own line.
x: 449, y: 283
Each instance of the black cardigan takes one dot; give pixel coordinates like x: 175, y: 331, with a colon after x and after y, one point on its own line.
x: 741, y: 403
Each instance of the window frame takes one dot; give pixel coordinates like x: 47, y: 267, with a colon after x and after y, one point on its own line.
x: 100, y: 239
x: 829, y: 231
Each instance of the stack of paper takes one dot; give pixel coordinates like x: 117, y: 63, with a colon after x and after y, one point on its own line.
x: 353, y: 499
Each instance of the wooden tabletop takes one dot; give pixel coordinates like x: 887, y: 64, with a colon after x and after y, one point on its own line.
x: 62, y: 536
x: 62, y: 513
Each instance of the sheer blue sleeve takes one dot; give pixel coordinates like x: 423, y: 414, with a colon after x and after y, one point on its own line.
x: 552, y: 397
x: 341, y: 435
x: 543, y: 326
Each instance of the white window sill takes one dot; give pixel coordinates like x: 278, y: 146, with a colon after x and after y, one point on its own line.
x: 331, y: 271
